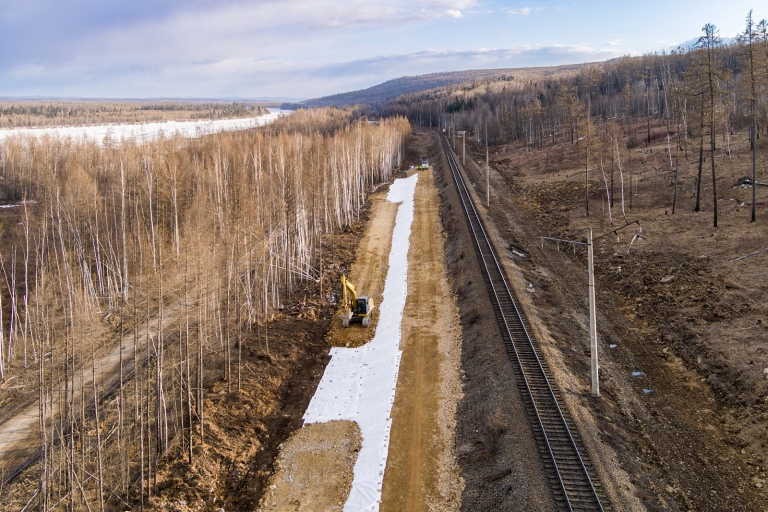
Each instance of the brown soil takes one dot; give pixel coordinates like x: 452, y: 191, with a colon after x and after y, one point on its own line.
x: 245, y: 430
x: 689, y: 432
x: 367, y: 274
x: 495, y: 447
x: 421, y: 470
x: 696, y: 441
x: 314, y: 468
x: 422, y: 473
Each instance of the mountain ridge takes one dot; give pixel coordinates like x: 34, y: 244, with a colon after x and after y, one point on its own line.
x: 380, y: 94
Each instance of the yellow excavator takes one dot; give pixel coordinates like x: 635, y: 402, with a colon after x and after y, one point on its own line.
x: 354, y: 308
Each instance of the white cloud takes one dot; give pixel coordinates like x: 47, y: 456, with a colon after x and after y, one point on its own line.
x: 261, y: 76
x: 448, y: 4
x: 523, y: 11
x: 243, y: 29
x: 234, y: 37
x: 359, y: 74
x: 297, y: 48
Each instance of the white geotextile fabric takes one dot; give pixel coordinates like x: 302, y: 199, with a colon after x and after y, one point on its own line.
x: 359, y: 383
x: 144, y: 131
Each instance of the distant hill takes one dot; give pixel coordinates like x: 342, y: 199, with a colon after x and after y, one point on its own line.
x: 378, y: 95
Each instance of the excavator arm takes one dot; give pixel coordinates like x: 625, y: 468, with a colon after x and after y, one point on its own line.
x: 348, y: 292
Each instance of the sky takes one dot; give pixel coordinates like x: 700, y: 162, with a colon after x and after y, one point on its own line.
x: 310, y: 48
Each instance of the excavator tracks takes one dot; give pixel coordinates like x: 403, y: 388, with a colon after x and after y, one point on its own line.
x: 571, y: 474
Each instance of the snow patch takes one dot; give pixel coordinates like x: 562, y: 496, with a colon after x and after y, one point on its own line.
x: 359, y: 384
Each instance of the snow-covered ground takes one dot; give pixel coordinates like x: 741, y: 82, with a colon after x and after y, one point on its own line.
x: 145, y: 131
x: 359, y: 384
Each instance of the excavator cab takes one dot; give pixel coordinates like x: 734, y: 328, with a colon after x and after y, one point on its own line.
x: 362, y: 306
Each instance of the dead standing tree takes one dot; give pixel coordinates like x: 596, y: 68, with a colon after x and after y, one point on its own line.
x: 107, y: 214
x: 755, y: 76
x: 707, y: 61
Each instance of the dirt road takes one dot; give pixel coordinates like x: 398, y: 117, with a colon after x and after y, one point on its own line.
x: 20, y: 434
x: 294, y: 485
x: 421, y: 472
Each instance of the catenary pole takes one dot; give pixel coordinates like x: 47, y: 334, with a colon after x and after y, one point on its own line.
x: 592, y: 317
x: 593, y: 353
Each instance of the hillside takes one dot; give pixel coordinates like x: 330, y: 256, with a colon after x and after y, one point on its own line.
x: 680, y: 314
x: 169, y: 307
x: 379, y: 95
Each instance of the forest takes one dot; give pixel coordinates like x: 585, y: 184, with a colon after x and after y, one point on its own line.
x: 159, y: 259
x: 134, y: 277
x: 37, y: 113
x: 664, y: 156
x: 695, y: 97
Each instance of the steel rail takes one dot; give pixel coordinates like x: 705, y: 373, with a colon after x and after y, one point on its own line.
x: 572, y: 482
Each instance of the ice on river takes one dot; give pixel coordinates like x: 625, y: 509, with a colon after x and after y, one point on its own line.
x: 359, y: 384
x: 145, y: 131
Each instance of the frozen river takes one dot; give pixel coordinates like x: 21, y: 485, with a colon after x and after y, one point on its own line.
x: 146, y: 131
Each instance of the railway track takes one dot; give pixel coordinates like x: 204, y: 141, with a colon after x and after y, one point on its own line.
x: 571, y: 475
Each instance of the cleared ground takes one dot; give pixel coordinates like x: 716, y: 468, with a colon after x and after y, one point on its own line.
x: 421, y: 470
x: 422, y: 473
x: 681, y: 424
x: 682, y: 421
